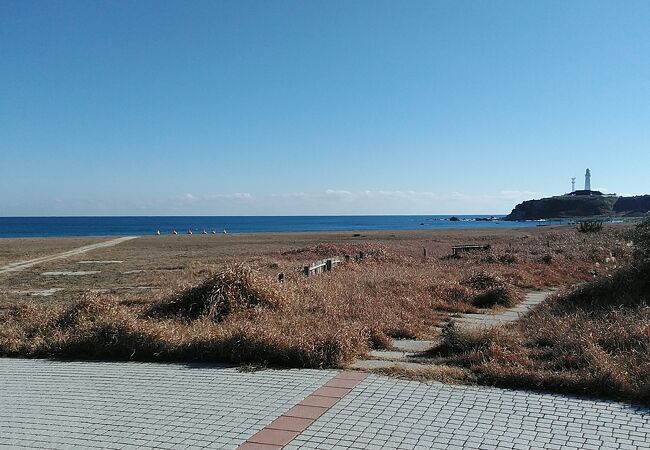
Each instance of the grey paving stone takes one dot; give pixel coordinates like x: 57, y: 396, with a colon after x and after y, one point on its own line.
x: 435, y: 415
x: 126, y: 405
x: 50, y: 404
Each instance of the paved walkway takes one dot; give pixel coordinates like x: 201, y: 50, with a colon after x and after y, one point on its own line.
x: 531, y: 300
x: 407, y: 352
x: 141, y: 405
x: 18, y: 266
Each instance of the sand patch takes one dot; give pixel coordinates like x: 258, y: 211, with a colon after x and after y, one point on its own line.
x: 122, y: 289
x: 100, y: 262
x: 66, y: 273
x: 36, y: 292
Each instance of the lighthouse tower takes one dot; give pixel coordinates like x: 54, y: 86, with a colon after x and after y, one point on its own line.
x: 587, y: 180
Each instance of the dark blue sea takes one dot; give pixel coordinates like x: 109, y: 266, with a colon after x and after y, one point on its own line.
x: 147, y: 225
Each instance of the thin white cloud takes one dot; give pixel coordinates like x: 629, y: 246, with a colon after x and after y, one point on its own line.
x: 326, y: 202
x: 233, y: 196
x: 189, y: 198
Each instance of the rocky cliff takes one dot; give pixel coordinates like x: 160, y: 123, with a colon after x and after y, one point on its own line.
x: 565, y: 206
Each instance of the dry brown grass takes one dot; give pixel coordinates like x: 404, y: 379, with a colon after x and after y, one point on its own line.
x: 236, y: 288
x: 210, y: 310
x: 441, y: 373
x: 593, y: 339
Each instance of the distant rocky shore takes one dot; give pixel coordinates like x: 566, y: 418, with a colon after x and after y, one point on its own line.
x: 581, y: 204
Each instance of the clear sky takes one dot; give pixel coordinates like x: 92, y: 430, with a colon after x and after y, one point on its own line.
x: 308, y: 107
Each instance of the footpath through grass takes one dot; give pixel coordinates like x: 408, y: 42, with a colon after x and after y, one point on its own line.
x: 593, y: 339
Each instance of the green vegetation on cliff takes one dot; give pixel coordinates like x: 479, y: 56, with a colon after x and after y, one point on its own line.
x: 580, y: 206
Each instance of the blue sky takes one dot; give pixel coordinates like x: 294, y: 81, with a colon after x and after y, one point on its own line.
x: 366, y: 107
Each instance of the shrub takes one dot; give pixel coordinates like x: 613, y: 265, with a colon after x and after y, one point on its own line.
x: 507, y: 258
x: 590, y: 226
x: 641, y: 239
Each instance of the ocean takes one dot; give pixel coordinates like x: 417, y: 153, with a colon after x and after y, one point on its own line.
x: 148, y: 225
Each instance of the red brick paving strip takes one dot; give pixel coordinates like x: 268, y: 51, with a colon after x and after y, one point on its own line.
x: 290, y: 424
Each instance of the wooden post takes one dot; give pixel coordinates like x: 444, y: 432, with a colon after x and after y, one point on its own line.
x: 347, y: 258
x: 281, y: 277
x: 360, y: 256
x: 328, y: 265
x: 306, y: 271
x: 424, y: 251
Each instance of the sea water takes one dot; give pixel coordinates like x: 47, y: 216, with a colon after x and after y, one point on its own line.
x: 148, y: 225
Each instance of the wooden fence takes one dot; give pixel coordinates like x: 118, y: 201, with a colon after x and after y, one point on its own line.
x: 457, y: 249
x: 324, y: 265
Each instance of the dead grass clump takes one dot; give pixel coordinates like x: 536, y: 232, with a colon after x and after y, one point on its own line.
x: 88, y: 309
x: 501, y: 295
x: 330, y: 250
x: 452, y: 297
x: 626, y: 287
x: 453, y: 292
x: 457, y: 340
x: 492, y: 291
x: 378, y: 340
x: 236, y: 287
x: 482, y: 280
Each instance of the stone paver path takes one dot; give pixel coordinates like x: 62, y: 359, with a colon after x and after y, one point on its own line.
x: 45, y: 404
x: 408, y: 349
x: 386, y: 413
x: 531, y: 300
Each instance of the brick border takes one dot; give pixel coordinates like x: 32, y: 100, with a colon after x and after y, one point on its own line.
x: 293, y: 422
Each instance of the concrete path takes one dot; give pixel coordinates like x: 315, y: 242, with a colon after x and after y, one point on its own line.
x: 531, y: 300
x: 408, y: 351
x: 45, y: 404
x: 18, y: 266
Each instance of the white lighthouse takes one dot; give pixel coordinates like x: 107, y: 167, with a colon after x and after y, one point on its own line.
x: 587, y: 180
